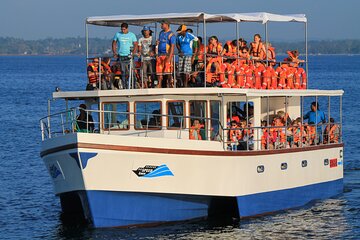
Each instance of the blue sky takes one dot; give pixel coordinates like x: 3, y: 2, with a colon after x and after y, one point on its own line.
x: 38, y: 19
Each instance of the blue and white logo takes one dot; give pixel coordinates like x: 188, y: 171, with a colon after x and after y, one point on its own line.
x: 150, y: 171
x: 54, y: 171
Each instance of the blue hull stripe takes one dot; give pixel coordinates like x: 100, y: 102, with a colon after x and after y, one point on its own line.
x: 110, y: 209
x: 261, y: 203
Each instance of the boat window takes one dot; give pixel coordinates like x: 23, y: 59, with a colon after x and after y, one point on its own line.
x: 116, y: 115
x: 215, y: 120
x: 198, y: 112
x: 147, y: 115
x: 175, y: 112
x: 237, y: 111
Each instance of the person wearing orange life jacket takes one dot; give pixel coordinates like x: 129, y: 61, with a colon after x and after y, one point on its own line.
x: 265, y: 137
x: 234, y: 135
x: 93, y: 74
x: 230, y: 51
x: 214, y: 61
x: 270, y: 53
x: 194, y: 131
x: 278, y: 134
x: 331, y: 132
x: 310, y: 133
x: 257, y: 48
x: 116, y: 70
x: 106, y: 74
x: 298, y: 133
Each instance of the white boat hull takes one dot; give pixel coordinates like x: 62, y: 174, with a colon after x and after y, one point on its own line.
x: 123, y: 180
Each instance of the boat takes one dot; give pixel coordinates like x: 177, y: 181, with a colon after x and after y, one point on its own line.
x: 138, y: 166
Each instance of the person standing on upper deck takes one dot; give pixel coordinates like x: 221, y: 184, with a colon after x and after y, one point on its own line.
x: 184, y: 42
x: 146, y: 52
x: 124, y: 43
x: 165, y: 51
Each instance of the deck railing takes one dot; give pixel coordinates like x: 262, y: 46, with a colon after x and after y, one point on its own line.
x: 135, y: 78
x: 252, y: 138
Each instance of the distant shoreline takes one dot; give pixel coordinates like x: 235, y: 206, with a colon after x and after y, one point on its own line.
x: 102, y: 47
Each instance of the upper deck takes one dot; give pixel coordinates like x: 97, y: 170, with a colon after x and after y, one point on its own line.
x: 71, y: 95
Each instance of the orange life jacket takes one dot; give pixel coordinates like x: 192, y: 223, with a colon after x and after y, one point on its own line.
x: 93, y: 78
x: 211, y: 49
x: 271, y: 53
x: 258, y: 75
x: 192, y: 135
x: 334, y: 138
x: 105, y: 67
x: 201, y: 53
x: 265, y: 138
x: 231, y: 52
x: 257, y: 51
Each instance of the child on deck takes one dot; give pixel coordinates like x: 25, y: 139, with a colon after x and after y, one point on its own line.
x: 235, y: 134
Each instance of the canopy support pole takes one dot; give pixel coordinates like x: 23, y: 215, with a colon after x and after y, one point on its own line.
x: 204, y: 37
x: 306, y: 55
x: 237, y: 42
x: 87, y: 41
x: 266, y: 43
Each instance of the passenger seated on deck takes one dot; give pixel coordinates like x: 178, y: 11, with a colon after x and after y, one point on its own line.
x: 155, y: 120
x: 194, y: 131
x: 213, y: 54
x: 235, y: 135
x: 84, y: 121
x: 93, y: 74
x: 257, y: 48
x: 331, y: 132
x: 116, y: 69
x: 106, y: 74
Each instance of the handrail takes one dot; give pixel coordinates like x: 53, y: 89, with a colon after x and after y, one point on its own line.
x: 253, y: 137
x: 136, y: 76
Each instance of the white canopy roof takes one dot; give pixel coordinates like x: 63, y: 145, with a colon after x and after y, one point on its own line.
x: 191, y: 18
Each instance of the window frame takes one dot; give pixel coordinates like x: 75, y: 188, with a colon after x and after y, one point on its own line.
x: 168, y: 118
x: 135, y: 115
x: 103, y: 116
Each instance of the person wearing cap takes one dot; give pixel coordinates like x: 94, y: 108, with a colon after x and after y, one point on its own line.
x: 122, y: 46
x: 184, y: 43
x: 165, y: 51
x: 146, y: 52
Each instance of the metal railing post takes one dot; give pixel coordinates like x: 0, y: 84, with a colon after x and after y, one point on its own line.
x: 48, y: 118
x: 341, y: 119
x: 174, y: 72
x: 99, y: 73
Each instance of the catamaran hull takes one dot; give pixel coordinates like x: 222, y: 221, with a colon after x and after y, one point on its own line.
x: 123, y: 184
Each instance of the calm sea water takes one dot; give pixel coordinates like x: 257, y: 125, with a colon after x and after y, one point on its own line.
x: 29, y: 209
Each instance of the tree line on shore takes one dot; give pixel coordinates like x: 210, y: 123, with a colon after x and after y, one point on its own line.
x: 77, y: 46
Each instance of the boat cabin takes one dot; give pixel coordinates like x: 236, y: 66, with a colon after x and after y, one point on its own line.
x: 164, y: 113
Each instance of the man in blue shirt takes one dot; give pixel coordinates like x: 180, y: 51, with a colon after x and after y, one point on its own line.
x: 316, y: 116
x: 124, y: 43
x: 165, y: 51
x: 184, y: 43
